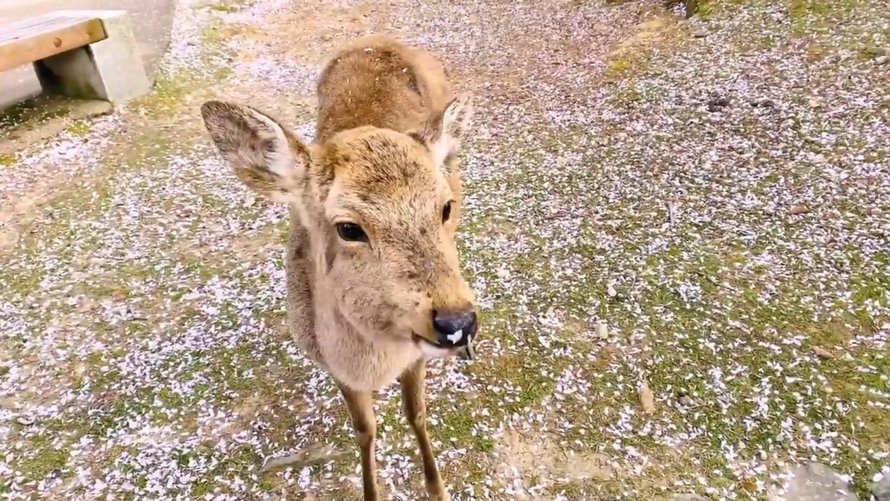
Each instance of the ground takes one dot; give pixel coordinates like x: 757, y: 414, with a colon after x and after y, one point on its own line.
x: 717, y: 191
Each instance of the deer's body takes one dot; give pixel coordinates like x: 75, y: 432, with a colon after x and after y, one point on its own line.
x: 374, y: 285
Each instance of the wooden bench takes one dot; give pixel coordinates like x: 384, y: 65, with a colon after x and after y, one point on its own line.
x: 84, y: 54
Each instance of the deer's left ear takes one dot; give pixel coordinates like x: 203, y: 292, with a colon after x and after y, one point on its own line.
x: 266, y: 156
x: 444, y: 133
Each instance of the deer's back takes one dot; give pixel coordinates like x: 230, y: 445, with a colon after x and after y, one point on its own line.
x: 381, y: 82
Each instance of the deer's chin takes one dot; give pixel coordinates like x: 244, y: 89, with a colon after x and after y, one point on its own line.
x: 431, y: 350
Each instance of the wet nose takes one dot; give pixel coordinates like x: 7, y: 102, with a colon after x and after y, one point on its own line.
x: 455, y: 328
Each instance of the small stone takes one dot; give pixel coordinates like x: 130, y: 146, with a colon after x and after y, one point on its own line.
x: 799, y: 209
x: 699, y: 34
x: 718, y: 103
x: 647, y: 398
x: 688, y: 497
x: 686, y: 401
x: 881, y: 60
x: 814, y: 482
x: 24, y: 421
x: 880, y: 489
x: 881, y: 51
x: 764, y: 103
x: 602, y: 330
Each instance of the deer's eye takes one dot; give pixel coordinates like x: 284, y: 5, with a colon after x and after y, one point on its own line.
x: 446, y: 212
x: 351, y: 232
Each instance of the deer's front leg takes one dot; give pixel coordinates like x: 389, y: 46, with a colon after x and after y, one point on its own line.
x: 361, y: 408
x: 413, y: 395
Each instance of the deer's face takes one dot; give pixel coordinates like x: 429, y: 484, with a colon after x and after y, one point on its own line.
x: 381, y: 209
x: 388, y: 216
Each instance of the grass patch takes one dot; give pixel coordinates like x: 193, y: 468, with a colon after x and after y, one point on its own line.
x: 80, y: 128
x: 31, y: 110
x: 223, y: 7
x: 817, y: 16
x: 46, y: 457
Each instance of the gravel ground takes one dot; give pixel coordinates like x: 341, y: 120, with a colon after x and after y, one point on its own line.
x: 679, y: 232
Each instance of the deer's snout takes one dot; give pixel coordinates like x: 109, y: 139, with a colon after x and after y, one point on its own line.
x: 455, y: 327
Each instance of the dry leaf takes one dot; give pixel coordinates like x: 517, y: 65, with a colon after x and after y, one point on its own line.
x: 799, y: 209
x: 822, y: 352
x: 647, y: 398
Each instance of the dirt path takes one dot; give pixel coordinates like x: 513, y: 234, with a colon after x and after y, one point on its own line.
x: 717, y: 191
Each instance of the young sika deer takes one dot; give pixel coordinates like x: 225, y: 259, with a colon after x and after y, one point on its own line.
x: 373, y: 279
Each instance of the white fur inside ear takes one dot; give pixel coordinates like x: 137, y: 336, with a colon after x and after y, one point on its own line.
x: 280, y: 159
x: 442, y: 148
x: 455, y: 121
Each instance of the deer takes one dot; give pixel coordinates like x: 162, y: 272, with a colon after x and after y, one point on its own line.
x: 374, y: 282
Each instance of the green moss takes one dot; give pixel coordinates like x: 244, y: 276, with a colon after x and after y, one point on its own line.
x: 46, y: 458
x: 618, y: 67
x: 817, y: 16
x: 79, y: 128
x: 223, y: 7
x: 704, y: 9
x: 167, y: 94
x: 34, y: 110
x: 7, y: 159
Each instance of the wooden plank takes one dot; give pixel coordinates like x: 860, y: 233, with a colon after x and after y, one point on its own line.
x: 35, y: 25
x: 45, y: 38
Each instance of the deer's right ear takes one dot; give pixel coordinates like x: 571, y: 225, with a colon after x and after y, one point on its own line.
x: 266, y: 156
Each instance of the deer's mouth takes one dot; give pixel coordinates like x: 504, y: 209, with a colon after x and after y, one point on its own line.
x: 422, y: 341
x: 436, y: 350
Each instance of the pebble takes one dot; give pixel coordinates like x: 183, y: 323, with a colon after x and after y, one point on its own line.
x: 647, y: 398
x: 813, y: 482
x: 602, y: 330
x: 24, y: 421
x: 718, y: 104
x: 880, y: 489
x: 763, y: 103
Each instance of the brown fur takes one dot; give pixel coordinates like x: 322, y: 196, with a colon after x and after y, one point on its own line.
x: 388, y: 133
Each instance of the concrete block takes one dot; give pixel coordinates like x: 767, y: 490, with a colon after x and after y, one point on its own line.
x: 110, y: 69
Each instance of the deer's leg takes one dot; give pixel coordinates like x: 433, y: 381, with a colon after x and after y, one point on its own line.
x: 361, y: 408
x: 413, y: 395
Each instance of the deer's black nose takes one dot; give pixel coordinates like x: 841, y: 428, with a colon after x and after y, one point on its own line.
x: 455, y: 328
